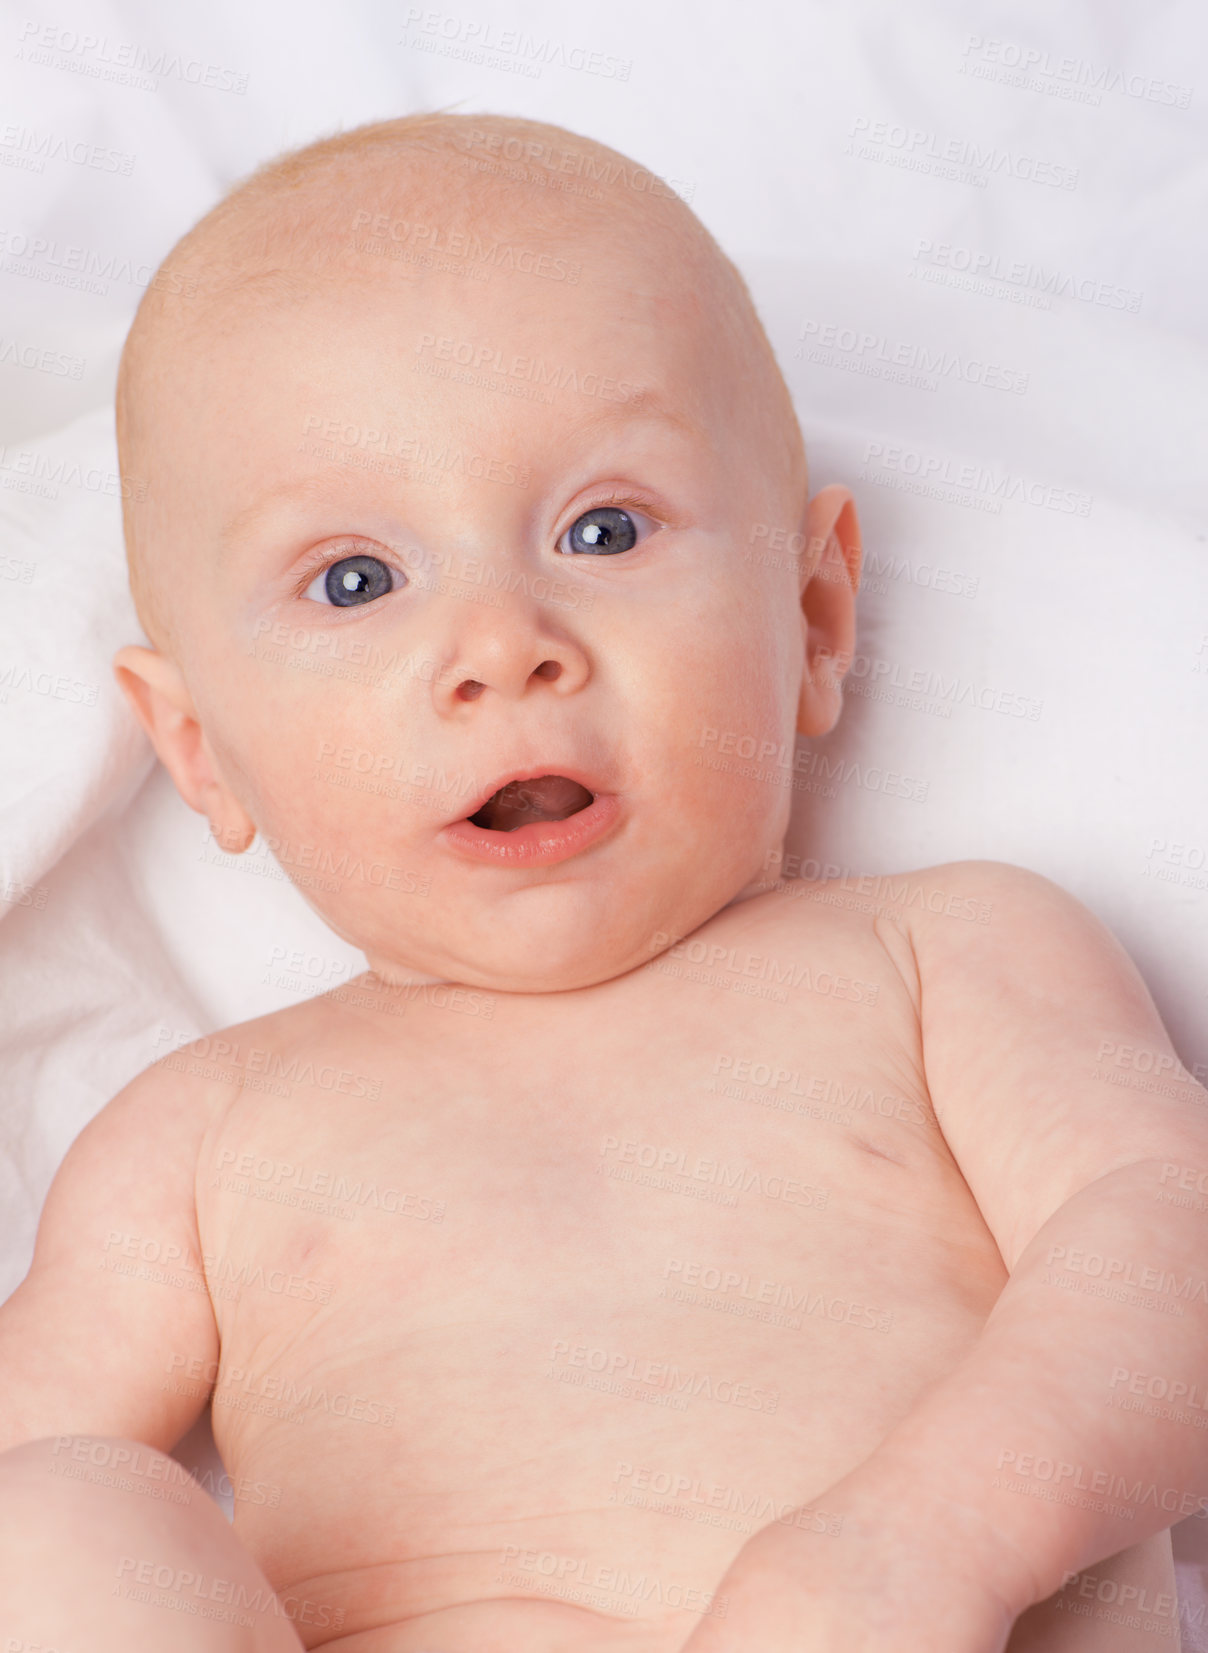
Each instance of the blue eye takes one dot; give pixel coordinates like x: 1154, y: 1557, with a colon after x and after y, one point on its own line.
x: 352, y: 581
x: 602, y: 531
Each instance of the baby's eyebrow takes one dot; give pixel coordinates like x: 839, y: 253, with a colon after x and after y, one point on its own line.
x: 252, y: 515
x: 644, y: 405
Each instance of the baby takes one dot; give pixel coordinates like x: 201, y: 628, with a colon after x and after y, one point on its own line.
x: 648, y: 1252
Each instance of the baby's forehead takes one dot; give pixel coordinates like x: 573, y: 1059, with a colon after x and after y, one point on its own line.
x: 471, y: 246
x: 477, y: 286
x: 425, y: 219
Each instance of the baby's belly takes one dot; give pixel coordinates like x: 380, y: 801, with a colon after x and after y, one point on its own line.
x: 552, y: 1425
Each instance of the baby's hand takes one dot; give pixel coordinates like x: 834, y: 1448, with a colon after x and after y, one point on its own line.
x: 860, y: 1591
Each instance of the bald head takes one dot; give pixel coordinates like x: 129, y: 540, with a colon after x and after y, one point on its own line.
x: 378, y: 204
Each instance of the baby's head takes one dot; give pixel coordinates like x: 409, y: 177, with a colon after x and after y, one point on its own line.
x: 457, y: 470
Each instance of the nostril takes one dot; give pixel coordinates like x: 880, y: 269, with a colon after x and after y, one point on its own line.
x: 549, y: 669
x: 470, y: 690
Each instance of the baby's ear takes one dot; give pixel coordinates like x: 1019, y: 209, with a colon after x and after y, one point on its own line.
x: 830, y: 580
x: 160, y: 699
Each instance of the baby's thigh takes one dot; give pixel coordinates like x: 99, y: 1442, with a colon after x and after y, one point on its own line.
x: 1126, y: 1604
x: 107, y: 1544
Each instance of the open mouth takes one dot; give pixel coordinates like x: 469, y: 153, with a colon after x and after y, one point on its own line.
x: 543, y: 798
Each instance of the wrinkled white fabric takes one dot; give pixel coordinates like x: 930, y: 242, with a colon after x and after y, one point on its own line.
x: 1008, y: 371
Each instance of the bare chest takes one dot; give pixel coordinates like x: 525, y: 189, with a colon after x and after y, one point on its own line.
x: 625, y: 1275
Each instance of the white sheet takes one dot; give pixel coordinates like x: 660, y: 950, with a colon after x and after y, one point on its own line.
x: 1033, y: 500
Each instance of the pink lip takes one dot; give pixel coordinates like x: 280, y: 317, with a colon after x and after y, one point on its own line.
x: 540, y: 841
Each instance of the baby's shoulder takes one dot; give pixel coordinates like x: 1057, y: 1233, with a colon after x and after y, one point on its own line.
x: 966, y: 893
x: 957, y: 908
x: 932, y: 921
x: 219, y: 1065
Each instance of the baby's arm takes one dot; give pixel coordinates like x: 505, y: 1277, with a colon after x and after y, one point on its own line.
x: 84, y: 1347
x: 1021, y: 1468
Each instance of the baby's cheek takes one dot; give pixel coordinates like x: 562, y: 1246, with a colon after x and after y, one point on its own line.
x: 750, y: 691
x: 358, y: 776
x: 743, y: 740
x: 288, y: 737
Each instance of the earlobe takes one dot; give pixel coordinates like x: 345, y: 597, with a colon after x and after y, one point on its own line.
x: 160, y: 699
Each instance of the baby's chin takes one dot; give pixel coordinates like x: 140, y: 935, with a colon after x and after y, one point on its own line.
x: 528, y: 960
x: 551, y: 938
x: 473, y: 980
